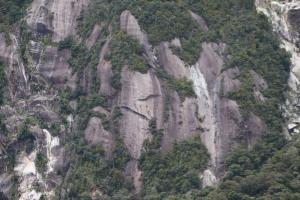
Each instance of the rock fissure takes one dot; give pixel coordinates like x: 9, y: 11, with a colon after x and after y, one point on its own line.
x: 135, y: 112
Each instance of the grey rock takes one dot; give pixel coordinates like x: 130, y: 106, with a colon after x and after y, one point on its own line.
x: 259, y: 85
x: 6, y: 183
x: 94, y: 36
x: 137, y: 108
x: 56, y: 69
x: 199, y: 20
x: 59, y: 16
x: 256, y: 127
x: 96, y: 134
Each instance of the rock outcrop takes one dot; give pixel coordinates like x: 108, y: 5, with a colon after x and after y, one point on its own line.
x: 283, y: 16
x: 55, y: 16
x: 36, y: 106
x: 141, y: 100
x: 216, y: 118
x: 96, y: 134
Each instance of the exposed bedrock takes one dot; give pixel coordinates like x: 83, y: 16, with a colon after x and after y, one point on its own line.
x: 104, y: 69
x: 130, y: 25
x: 216, y: 118
x: 56, y: 16
x: 143, y: 96
x: 284, y: 16
x: 96, y: 134
x: 54, y: 67
x: 94, y: 36
x: 140, y: 100
x: 16, y: 72
x: 201, y: 22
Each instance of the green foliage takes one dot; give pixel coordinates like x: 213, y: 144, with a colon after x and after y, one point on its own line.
x: 162, y: 20
x: 64, y: 102
x: 183, y: 86
x: 96, y: 13
x: 249, y: 36
x: 24, y: 133
x: 79, y: 54
x: 191, y: 46
x: 177, y: 173
x: 120, y: 155
x: 41, y: 162
x: 125, y: 51
x: 24, y: 40
x: 67, y: 43
x: 25, y: 138
x: 3, y: 130
x: 278, y: 179
x: 90, y: 165
x: 85, y: 104
x: 10, y: 12
x: 3, y: 82
x: 82, y: 59
x: 55, y: 129
x: 251, y: 45
x: 95, y: 171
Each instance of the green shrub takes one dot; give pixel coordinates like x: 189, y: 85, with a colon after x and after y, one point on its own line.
x: 183, y: 86
x: 178, y: 172
x: 125, y: 51
x: 67, y: 43
x: 41, y: 162
x: 24, y: 134
x: 3, y: 83
x: 11, y: 12
x: 162, y: 20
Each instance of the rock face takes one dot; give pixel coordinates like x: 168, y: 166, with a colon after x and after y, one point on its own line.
x: 94, y: 36
x: 96, y: 134
x: 141, y: 100
x: 199, y: 20
x: 216, y: 118
x: 56, y: 16
x: 53, y: 66
x: 34, y: 101
x: 130, y: 25
x: 34, y: 98
x: 16, y: 72
x: 104, y: 70
x: 284, y: 18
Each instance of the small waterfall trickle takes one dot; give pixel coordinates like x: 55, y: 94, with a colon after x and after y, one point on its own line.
x: 15, y: 55
x: 51, y: 144
x: 206, y: 110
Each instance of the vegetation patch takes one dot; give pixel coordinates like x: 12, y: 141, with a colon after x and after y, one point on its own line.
x: 178, y: 173
x: 10, y: 13
x: 3, y: 83
x: 125, y: 51
x: 183, y: 86
x: 96, y: 172
x: 162, y: 20
x: 41, y: 162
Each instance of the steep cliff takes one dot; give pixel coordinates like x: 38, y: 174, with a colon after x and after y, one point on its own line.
x: 141, y: 99
x: 284, y: 18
